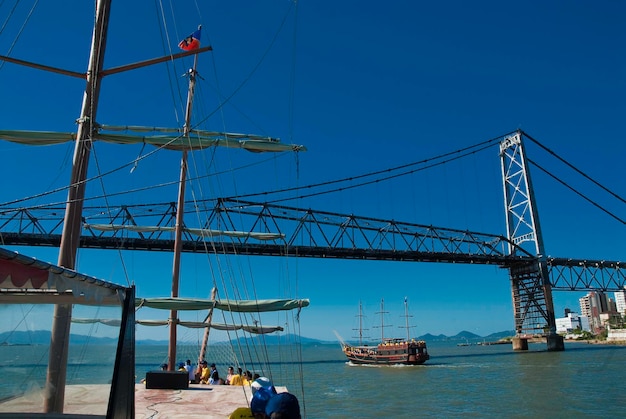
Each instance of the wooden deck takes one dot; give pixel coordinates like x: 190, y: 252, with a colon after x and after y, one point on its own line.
x: 199, y: 401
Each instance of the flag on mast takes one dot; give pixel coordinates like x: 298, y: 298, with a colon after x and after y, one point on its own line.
x: 192, y: 41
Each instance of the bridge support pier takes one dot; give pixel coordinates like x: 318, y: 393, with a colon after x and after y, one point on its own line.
x: 520, y: 344
x: 555, y: 342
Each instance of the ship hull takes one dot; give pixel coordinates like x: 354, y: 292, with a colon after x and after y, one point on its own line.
x: 388, y: 353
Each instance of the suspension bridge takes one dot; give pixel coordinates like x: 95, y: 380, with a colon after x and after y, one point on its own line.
x: 236, y: 226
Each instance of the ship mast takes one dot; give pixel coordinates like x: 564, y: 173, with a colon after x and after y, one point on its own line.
x: 180, y: 211
x: 406, y: 319
x: 54, y: 395
x: 360, y: 329
x: 60, y: 334
x: 382, y: 319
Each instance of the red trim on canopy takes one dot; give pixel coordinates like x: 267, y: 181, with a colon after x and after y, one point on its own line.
x: 20, y: 274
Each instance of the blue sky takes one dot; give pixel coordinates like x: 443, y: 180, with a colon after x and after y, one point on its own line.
x: 365, y: 87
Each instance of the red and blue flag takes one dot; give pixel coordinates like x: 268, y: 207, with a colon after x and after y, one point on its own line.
x: 191, y: 42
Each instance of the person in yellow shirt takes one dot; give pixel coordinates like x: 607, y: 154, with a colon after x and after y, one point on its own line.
x: 206, y: 373
x: 234, y: 379
x: 247, y: 378
x: 242, y: 413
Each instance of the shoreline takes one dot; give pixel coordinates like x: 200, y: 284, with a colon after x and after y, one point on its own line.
x: 598, y: 342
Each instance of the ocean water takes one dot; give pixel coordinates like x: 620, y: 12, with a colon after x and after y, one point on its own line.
x: 585, y: 381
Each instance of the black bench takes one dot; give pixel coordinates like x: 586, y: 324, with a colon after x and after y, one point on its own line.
x: 174, y: 380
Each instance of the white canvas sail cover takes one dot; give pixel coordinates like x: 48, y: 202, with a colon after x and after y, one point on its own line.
x: 196, y: 141
x: 193, y: 325
x: 239, y: 306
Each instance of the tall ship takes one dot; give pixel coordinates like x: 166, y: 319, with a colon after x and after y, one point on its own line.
x: 389, y: 351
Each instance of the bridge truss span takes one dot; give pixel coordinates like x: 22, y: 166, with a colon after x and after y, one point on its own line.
x: 348, y: 235
x: 247, y: 227
x: 581, y: 274
x: 264, y: 229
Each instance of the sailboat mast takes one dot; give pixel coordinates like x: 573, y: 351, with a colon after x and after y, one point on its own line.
x: 382, y: 319
x: 360, y: 324
x: 56, y: 374
x: 406, y: 319
x: 180, y: 211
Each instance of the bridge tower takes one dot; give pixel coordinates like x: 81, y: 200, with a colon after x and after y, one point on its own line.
x: 531, y: 290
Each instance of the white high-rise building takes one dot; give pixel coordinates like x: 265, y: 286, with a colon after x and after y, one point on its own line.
x: 572, y: 322
x: 620, y: 301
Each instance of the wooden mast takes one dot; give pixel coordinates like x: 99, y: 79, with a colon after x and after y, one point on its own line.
x: 406, y: 319
x: 382, y: 319
x: 180, y: 210
x: 360, y: 323
x: 60, y: 334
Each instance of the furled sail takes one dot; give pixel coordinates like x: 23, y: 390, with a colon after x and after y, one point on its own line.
x: 238, y: 306
x: 193, y: 325
x: 197, y: 139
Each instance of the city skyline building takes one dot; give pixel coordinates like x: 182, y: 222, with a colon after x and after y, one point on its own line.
x: 591, y: 306
x: 571, y: 322
x: 620, y: 301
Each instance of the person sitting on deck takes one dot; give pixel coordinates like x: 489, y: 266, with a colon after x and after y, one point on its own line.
x: 181, y: 367
x: 214, y: 376
x: 243, y: 413
x: 260, y: 399
x: 197, y: 373
x: 247, y: 378
x: 206, y: 373
x: 232, y: 378
x: 262, y: 383
x: 189, y: 369
x: 229, y: 374
x: 283, y: 406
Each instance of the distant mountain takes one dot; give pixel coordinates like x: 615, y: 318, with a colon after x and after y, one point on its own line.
x: 42, y: 337
x: 279, y: 339
x: 428, y: 337
x: 500, y: 335
x: 465, y: 335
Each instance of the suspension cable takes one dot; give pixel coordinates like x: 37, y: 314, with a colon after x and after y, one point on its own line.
x: 577, y: 192
x: 574, y: 168
x: 460, y: 153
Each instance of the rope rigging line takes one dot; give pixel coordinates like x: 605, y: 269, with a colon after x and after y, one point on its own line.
x: 577, y: 192
x: 222, y: 270
x: 30, y: 13
x: 575, y: 169
x: 247, y: 79
x: 167, y: 46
